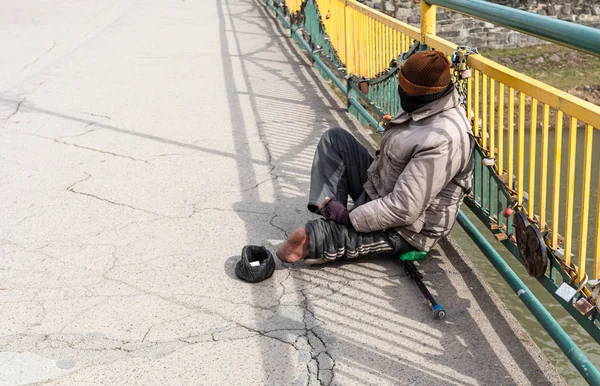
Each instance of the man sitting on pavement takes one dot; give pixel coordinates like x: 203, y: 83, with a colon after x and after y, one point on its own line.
x: 408, y: 197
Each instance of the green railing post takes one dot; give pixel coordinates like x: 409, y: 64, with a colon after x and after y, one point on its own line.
x: 562, y: 339
x: 350, y: 93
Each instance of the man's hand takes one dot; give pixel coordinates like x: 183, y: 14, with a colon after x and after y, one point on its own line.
x: 335, y: 211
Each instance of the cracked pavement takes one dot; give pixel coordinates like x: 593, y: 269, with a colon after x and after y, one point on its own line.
x: 142, y: 144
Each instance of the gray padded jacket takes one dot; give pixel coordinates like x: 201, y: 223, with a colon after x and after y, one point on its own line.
x: 424, y: 169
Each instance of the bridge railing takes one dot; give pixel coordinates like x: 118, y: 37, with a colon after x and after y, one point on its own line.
x: 513, y: 117
x: 527, y: 131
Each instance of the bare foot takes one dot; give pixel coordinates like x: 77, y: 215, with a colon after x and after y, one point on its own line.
x: 295, y: 248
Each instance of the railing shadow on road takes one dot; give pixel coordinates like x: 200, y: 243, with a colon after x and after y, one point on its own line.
x: 283, y: 106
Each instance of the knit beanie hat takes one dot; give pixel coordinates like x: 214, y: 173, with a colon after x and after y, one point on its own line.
x: 425, y: 72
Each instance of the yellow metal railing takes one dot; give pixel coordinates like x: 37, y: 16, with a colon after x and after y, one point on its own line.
x: 498, y: 98
x: 365, y: 40
x: 334, y: 20
x: 374, y: 39
x: 293, y: 5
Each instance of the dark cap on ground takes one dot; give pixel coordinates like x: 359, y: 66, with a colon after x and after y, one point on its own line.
x: 256, y: 264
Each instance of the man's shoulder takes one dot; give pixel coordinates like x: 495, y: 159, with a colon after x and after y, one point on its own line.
x: 445, y: 126
x: 453, y: 122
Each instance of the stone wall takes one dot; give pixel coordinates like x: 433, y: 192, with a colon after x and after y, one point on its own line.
x: 462, y: 29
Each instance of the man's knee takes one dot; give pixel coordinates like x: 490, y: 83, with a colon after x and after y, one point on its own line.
x: 336, y: 139
x: 336, y: 133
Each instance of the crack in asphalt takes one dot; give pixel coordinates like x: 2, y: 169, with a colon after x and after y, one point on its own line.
x: 98, y: 150
x: 97, y: 115
x: 40, y: 56
x: 285, y: 233
x: 71, y: 188
x: 16, y: 110
x: 60, y: 141
x: 80, y: 134
x: 323, y: 378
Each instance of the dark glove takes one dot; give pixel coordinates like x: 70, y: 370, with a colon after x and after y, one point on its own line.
x: 335, y: 211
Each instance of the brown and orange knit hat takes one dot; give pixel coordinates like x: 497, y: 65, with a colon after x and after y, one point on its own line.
x: 425, y: 72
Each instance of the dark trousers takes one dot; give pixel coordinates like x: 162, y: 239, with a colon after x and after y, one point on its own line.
x: 339, y: 170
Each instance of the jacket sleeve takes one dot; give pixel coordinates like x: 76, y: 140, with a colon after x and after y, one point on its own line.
x: 423, y: 178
